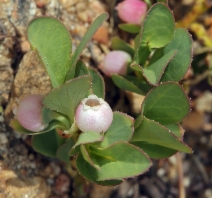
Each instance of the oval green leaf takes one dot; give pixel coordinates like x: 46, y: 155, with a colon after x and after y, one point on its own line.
x: 52, y: 42
x: 125, y: 84
x: 88, y: 137
x: 119, y: 44
x: 98, y: 85
x: 62, y: 152
x: 81, y: 69
x: 179, y: 65
x: 67, y: 97
x: 47, y: 143
x: 154, y: 72
x: 121, y: 129
x: 166, y: 104
x: 120, y: 160
x: 91, y: 174
x: 86, y: 156
x: 49, y: 115
x: 156, y: 32
x: 129, y: 27
x: 155, y: 151
x: 152, y: 132
x: 19, y: 128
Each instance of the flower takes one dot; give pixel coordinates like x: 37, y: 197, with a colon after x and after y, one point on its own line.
x: 29, y: 113
x: 93, y: 114
x: 132, y: 11
x: 115, y: 62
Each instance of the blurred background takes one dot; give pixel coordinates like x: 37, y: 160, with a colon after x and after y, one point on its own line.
x: 27, y: 174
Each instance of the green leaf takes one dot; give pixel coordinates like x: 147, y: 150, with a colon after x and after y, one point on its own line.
x: 152, y: 132
x: 66, y: 98
x: 154, y: 72
x: 120, y: 160
x: 52, y: 43
x: 85, y: 40
x: 148, y: 2
x: 137, y: 41
x: 175, y: 128
x: 179, y: 65
x: 88, y: 137
x: 155, y: 151
x: 163, y: 1
x: 86, y: 156
x: 47, y: 143
x: 119, y: 44
x: 136, y: 67
x: 156, y: 32
x: 158, y: 26
x: 129, y: 27
x: 62, y: 152
x: 158, y: 53
x: 141, y: 83
x: 98, y: 85
x: 74, y: 151
x: 125, y: 84
x: 91, y: 174
x: 138, y: 121
x: 81, y: 69
x: 49, y: 115
x: 167, y: 104
x: 19, y: 128
x: 121, y: 129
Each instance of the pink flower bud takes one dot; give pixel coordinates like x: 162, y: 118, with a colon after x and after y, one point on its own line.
x: 115, y: 62
x: 93, y: 114
x: 132, y: 11
x: 28, y: 113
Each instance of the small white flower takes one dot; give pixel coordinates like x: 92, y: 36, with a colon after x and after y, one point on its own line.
x: 93, y: 114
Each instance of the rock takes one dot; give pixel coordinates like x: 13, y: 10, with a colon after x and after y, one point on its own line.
x: 86, y: 11
x: 19, y: 13
x: 203, y: 103
x: 41, y: 3
x: 62, y: 184
x: 54, y: 8
x: 30, y: 79
x: 101, y: 35
x: 3, y: 138
x: 24, y: 44
x: 69, y: 3
x: 124, y: 188
x: 6, y: 54
x: 194, y: 121
x: 11, y: 186
x: 100, y: 192
x: 135, y: 101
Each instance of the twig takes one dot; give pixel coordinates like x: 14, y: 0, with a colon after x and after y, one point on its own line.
x: 198, y: 79
x: 181, y: 176
x: 201, y: 169
x: 198, y: 8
